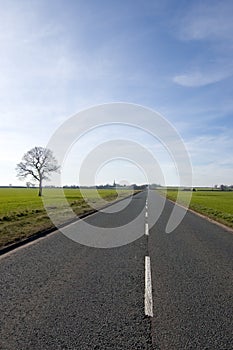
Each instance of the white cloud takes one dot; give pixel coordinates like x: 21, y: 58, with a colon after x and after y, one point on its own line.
x: 210, y: 23
x: 207, y: 21
x: 197, y: 78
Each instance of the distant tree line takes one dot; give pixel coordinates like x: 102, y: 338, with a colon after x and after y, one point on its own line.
x: 224, y: 187
x: 107, y: 186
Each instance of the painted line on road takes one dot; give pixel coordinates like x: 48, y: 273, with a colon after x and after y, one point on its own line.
x: 146, y: 214
x: 146, y: 229
x: 148, y: 288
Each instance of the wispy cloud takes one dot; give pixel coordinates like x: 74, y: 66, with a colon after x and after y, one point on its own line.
x: 207, y: 21
x: 210, y: 26
x: 197, y: 78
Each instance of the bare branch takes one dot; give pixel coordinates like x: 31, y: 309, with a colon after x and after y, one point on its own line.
x: 38, y: 163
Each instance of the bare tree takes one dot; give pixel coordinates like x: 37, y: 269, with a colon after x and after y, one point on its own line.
x: 38, y: 163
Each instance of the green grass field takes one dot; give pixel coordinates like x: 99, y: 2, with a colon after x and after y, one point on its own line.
x: 22, y: 212
x: 217, y: 205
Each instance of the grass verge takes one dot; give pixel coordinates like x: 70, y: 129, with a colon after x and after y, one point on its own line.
x: 217, y: 205
x: 22, y: 213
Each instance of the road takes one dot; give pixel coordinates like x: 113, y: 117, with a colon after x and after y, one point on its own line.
x: 59, y: 294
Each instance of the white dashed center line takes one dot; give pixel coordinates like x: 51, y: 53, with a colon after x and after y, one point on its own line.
x: 146, y: 229
x: 148, y: 289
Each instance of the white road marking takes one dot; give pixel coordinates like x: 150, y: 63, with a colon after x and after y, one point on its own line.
x: 148, y: 289
x: 146, y: 215
x: 146, y: 229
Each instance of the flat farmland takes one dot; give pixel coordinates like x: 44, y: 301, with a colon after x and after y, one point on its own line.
x: 217, y: 205
x: 22, y: 212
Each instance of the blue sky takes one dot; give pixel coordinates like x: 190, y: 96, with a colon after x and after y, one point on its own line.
x: 60, y: 57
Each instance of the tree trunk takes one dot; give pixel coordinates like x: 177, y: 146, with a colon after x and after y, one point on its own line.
x: 40, y: 188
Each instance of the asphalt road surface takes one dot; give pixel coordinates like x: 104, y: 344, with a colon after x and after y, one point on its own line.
x: 60, y: 294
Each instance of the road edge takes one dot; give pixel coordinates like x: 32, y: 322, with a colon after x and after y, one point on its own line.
x: 227, y: 228
x: 40, y: 234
